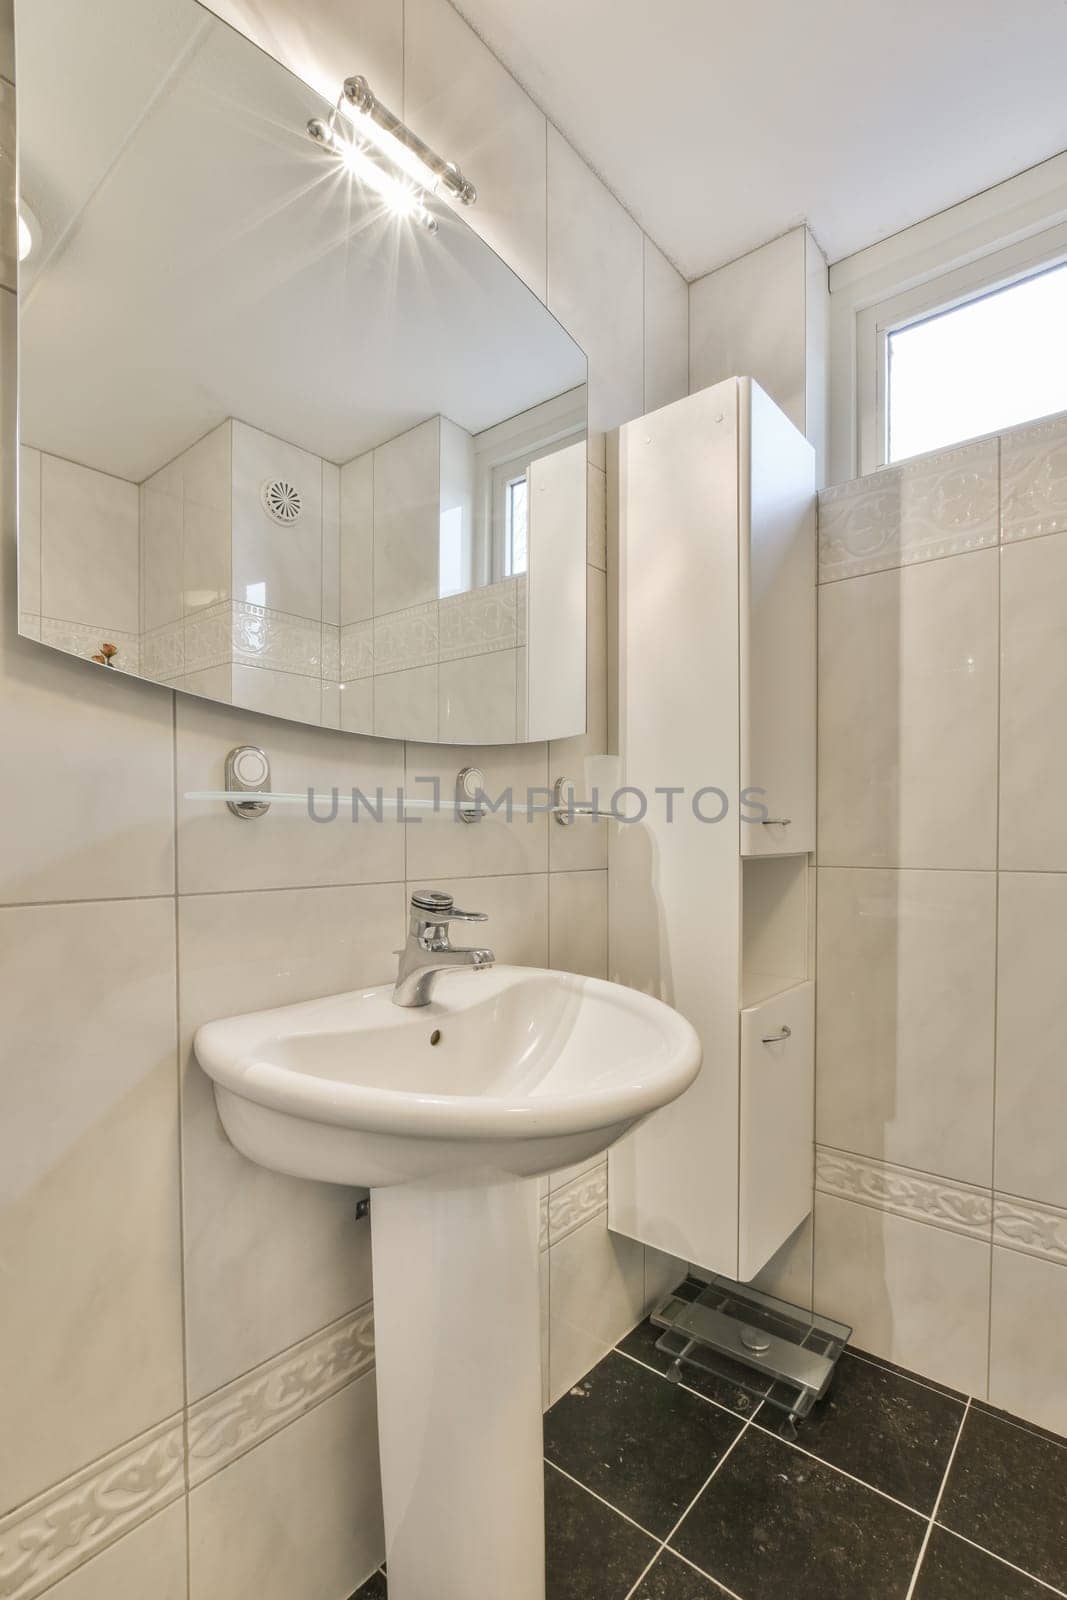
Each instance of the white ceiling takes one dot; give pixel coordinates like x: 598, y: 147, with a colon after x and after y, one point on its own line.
x: 722, y: 124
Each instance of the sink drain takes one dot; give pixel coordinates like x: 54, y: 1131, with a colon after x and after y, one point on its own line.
x: 435, y: 1037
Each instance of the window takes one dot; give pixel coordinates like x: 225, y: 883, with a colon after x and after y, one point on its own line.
x: 515, y: 527
x: 981, y: 366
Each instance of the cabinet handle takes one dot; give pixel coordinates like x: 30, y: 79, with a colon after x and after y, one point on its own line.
x: 776, y: 822
x: 784, y: 1032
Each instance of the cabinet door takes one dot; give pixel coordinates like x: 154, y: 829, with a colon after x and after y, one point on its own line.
x: 777, y: 1123
x: 777, y: 572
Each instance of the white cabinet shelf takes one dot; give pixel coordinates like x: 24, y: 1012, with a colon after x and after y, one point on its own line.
x: 716, y: 560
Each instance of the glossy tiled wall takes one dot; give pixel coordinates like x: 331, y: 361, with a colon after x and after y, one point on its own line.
x: 188, y: 1405
x: 941, y: 1203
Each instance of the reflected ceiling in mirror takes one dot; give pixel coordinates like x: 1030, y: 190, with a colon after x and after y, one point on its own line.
x: 281, y: 446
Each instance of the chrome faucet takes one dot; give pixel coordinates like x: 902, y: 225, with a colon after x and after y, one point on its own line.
x: 428, y: 951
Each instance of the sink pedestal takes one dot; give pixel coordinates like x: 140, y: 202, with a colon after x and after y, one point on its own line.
x: 458, y: 1350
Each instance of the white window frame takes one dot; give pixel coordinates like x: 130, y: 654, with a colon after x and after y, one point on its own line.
x: 985, y: 243
x: 504, y: 452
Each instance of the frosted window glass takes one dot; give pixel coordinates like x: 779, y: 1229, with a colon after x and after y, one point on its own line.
x: 983, y: 366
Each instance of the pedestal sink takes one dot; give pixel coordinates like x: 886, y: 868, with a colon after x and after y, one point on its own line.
x: 449, y: 1113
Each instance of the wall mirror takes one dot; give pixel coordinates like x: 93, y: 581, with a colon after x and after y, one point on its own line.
x: 281, y: 445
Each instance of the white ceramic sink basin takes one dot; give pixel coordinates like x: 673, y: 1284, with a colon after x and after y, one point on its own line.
x: 512, y: 1070
x: 448, y: 1112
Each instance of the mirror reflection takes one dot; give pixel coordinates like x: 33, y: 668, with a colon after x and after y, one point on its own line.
x: 283, y: 445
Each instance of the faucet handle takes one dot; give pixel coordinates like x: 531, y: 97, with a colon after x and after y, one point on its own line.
x: 437, y: 906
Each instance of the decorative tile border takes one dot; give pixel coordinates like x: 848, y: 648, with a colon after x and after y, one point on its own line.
x: 357, y: 651
x: 944, y: 1202
x: 85, y: 639
x: 479, y: 621
x: 163, y: 651
x: 577, y: 1202
x: 404, y: 639
x: 228, y: 1423
x: 1034, y: 1228
x: 46, y: 1539
x: 1033, y: 480
x: 936, y: 506
x: 331, y: 653
x: 266, y: 638
x: 207, y: 637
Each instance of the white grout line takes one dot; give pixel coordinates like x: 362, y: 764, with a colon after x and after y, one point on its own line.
x: 708, y: 1401
x: 937, y: 1503
x: 585, y: 1487
x: 897, y: 1372
x: 663, y: 1544
x: 1003, y: 1561
x: 791, y: 1444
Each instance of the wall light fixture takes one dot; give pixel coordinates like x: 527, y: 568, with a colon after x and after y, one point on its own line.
x: 412, y: 169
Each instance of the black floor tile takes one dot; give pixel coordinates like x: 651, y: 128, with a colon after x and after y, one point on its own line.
x: 645, y: 1445
x: 1007, y: 1491
x: 641, y: 1344
x: 671, y: 1579
x: 903, y: 1372
x: 1006, y: 1416
x: 774, y: 1524
x: 590, y: 1552
x: 373, y: 1589
x: 885, y: 1429
x: 953, y: 1570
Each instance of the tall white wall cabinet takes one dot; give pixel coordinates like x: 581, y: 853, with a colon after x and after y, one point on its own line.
x: 709, y: 900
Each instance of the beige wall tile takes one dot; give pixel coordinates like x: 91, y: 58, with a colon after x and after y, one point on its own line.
x: 357, y: 539
x: 441, y: 846
x: 916, y: 1295
x: 282, y: 1256
x: 284, y: 848
x: 596, y: 518
x: 593, y: 241
x: 596, y: 1294
x: 310, y: 1493
x: 908, y: 716
x: 747, y: 318
x: 149, y: 1562
x: 90, y: 557
x: 584, y: 844
x: 276, y: 694
x: 1033, y: 755
x: 578, y: 922
x: 471, y: 109
x: 1031, y: 1083
x: 476, y: 697
x: 666, y: 331
x: 407, y: 489
x: 91, y: 812
x: 406, y: 704
x: 284, y: 573
x: 91, y: 1341
x: 1027, y: 1359
x: 906, y: 964
x: 29, y: 530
